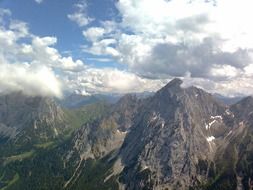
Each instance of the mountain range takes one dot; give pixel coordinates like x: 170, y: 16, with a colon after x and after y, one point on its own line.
x: 177, y: 138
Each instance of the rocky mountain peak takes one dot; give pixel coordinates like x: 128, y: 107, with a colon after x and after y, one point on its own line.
x: 246, y: 101
x: 126, y: 99
x: 124, y: 111
x: 176, y: 82
x: 30, y: 116
x: 173, y: 86
x: 243, y: 109
x: 171, y: 128
x: 16, y: 104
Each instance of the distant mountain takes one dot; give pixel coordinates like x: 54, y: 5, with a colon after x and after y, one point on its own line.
x: 177, y: 138
x: 27, y: 119
x: 78, y: 100
x: 75, y: 100
x: 228, y: 100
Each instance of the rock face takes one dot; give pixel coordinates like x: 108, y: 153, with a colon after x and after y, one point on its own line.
x: 29, y: 117
x: 96, y: 139
x: 124, y: 111
x: 174, y: 132
x: 180, y: 138
x: 100, y: 138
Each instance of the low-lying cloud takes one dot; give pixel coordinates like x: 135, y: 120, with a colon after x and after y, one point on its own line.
x: 31, y: 80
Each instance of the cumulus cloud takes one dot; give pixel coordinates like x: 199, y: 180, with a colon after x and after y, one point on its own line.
x: 31, y: 80
x: 38, y: 1
x: 94, y: 33
x: 80, y: 15
x: 109, y: 80
x: 33, y: 65
x: 204, y: 40
x: 205, y: 43
x: 103, y: 39
x: 182, y: 41
x: 3, y: 13
x: 240, y: 86
x: 201, y: 60
x: 28, y: 63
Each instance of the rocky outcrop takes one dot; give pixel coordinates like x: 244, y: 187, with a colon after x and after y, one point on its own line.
x: 124, y: 111
x: 30, y: 118
x: 173, y: 140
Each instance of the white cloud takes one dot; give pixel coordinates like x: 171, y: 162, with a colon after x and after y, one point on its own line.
x: 167, y: 41
x: 28, y: 63
x: 42, y: 52
x: 205, y: 40
x: 20, y: 28
x: 208, y: 46
x: 31, y: 80
x: 99, y: 59
x: 39, y: 1
x: 3, y: 13
x: 160, y: 18
x: 108, y: 80
x: 226, y: 71
x: 239, y: 86
x: 80, y: 16
x: 103, y: 47
x: 18, y: 72
x: 94, y: 33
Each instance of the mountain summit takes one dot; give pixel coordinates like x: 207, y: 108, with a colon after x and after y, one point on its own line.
x: 30, y: 118
x: 170, y: 138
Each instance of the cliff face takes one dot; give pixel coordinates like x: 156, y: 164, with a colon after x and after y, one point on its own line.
x: 30, y: 118
x: 176, y: 132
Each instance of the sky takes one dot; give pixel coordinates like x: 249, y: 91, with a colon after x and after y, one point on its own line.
x: 54, y: 47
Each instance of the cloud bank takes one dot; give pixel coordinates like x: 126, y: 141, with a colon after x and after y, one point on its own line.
x: 32, y: 81
x: 203, y: 42
x: 33, y: 65
x: 196, y: 40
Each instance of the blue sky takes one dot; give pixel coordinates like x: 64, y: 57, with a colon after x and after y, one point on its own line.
x: 50, y: 19
x: 49, y: 47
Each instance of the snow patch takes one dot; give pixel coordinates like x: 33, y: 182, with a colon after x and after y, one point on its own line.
x: 163, y: 124
x: 154, y: 117
x: 208, y: 126
x: 35, y: 125
x: 122, y: 132
x: 55, y: 131
x: 216, y: 117
x: 229, y: 133
x: 117, y: 169
x: 210, y: 139
x: 214, y: 120
x: 145, y: 167
x: 228, y: 112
